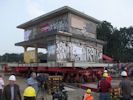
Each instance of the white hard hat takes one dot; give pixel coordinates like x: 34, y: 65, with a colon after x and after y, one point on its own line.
x: 123, y: 73
x: 125, y: 68
x: 12, y: 78
x: 105, y: 71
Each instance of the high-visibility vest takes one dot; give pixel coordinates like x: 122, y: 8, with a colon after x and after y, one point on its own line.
x: 88, y: 97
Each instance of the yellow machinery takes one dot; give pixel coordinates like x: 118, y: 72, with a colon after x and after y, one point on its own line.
x: 114, y: 94
x: 29, y: 56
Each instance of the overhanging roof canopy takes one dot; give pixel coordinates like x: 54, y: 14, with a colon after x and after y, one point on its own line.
x: 41, y: 39
x: 55, y: 13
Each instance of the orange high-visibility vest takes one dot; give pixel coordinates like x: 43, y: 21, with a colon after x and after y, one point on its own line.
x: 88, y: 97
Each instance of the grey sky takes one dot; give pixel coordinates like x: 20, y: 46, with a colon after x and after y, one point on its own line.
x: 15, y: 12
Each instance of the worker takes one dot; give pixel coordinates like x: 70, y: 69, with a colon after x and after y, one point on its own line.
x: 1, y: 86
x: 88, y: 95
x: 29, y: 93
x: 131, y: 75
x: 103, y: 87
x: 125, y: 87
x: 33, y: 82
x: 127, y: 71
x: 60, y: 94
x: 11, y: 91
x: 109, y: 77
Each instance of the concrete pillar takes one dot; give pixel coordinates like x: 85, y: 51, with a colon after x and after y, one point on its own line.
x: 25, y: 48
x: 36, y: 53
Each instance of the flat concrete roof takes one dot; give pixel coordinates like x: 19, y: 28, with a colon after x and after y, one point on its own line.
x: 55, y: 13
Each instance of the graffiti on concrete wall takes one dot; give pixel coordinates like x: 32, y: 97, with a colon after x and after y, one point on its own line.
x: 27, y: 34
x: 78, y: 52
x: 62, y: 50
x: 51, y: 50
x: 60, y: 23
x: 93, y: 54
x: 43, y: 28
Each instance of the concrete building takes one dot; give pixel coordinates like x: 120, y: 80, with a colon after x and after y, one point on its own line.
x: 67, y: 34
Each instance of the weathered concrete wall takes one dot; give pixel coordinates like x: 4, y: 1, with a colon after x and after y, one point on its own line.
x: 75, y: 49
x: 65, y: 48
x: 67, y: 22
x: 58, y: 23
x: 82, y: 26
x: 51, y: 53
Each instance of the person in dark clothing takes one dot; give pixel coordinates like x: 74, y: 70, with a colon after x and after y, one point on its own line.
x: 104, y: 87
x: 11, y: 91
x: 131, y: 75
x: 1, y: 86
x: 125, y: 87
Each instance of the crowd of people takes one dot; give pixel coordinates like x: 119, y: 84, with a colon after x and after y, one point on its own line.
x: 104, y: 86
x: 12, y: 91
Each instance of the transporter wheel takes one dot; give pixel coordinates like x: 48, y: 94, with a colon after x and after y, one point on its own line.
x: 94, y: 78
x: 68, y: 78
x: 65, y: 77
x: 81, y: 79
x: 72, y: 79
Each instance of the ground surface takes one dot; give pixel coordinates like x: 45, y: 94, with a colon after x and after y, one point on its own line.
x: 74, y: 93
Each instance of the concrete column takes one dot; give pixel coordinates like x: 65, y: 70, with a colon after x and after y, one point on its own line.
x: 25, y: 48
x: 70, y: 52
x: 36, y: 53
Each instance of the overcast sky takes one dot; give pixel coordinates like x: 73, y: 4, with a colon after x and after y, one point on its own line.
x: 16, y: 12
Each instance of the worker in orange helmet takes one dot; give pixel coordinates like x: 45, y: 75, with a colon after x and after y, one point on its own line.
x: 109, y: 77
x: 88, y: 95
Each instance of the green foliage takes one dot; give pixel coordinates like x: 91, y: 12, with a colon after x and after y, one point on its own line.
x: 42, y: 56
x: 13, y: 57
x: 119, y: 42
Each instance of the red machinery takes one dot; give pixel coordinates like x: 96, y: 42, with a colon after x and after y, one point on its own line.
x: 70, y: 74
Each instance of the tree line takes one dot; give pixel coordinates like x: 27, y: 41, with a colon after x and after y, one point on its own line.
x: 14, y: 57
x: 119, y: 44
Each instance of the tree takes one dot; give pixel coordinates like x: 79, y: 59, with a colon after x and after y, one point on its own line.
x: 11, y: 57
x: 104, y: 32
x: 119, y: 42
